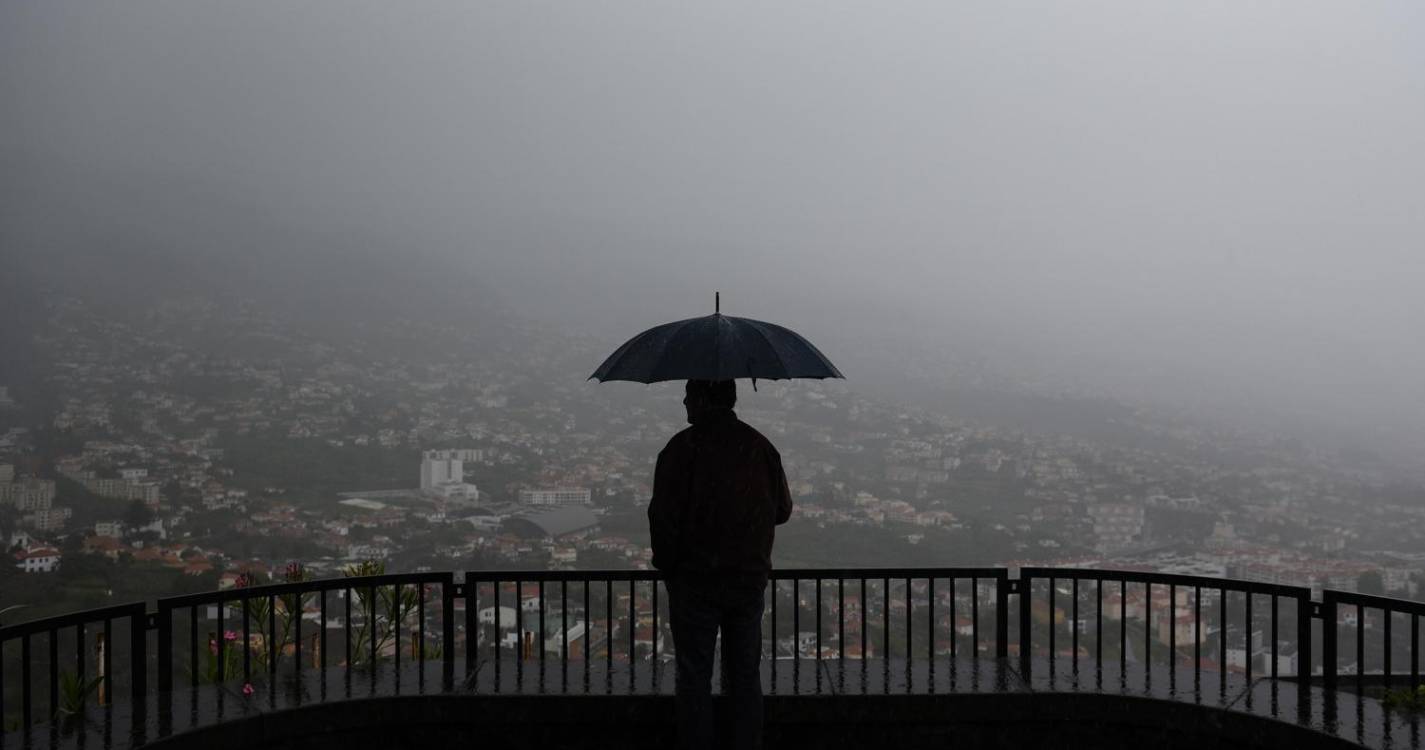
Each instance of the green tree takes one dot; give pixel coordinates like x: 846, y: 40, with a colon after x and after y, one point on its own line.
x: 1371, y: 582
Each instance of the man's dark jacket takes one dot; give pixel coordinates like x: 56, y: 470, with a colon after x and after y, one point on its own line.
x: 718, y: 491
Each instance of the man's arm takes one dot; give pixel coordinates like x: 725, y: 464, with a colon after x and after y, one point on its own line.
x: 663, y: 513
x: 780, y: 490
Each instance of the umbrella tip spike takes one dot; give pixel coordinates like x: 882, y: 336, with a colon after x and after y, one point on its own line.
x: 717, y: 303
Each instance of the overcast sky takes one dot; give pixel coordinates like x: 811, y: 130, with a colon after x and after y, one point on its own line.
x: 1214, y: 202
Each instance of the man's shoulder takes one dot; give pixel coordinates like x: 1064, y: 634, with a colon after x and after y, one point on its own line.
x: 755, y: 436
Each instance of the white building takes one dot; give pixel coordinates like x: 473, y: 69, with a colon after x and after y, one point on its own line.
x: 28, y: 494
x: 38, y: 560
x: 556, y: 496
x: 109, y: 528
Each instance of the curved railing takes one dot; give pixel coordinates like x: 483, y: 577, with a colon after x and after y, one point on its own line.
x: 133, y: 673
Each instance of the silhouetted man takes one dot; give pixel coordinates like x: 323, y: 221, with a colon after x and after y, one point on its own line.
x: 718, y: 491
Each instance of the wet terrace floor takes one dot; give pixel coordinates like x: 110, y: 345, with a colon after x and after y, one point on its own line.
x: 797, y: 691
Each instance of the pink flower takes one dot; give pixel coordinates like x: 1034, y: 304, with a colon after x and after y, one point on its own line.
x: 230, y: 635
x: 247, y: 689
x: 212, y: 646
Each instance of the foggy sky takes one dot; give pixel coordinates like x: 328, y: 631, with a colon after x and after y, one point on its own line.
x: 1214, y: 204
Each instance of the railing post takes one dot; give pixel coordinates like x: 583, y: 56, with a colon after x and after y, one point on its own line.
x: 1328, y: 639
x: 447, y: 630
x: 1001, y: 618
x: 1025, y: 587
x: 138, y: 670
x: 165, y: 649
x: 1303, y: 640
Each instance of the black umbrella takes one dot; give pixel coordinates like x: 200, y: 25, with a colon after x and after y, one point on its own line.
x: 715, y: 347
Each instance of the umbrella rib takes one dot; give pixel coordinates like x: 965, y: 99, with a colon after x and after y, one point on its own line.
x: 757, y: 326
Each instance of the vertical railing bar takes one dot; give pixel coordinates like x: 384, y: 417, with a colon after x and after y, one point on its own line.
x: 954, y: 625
x: 53, y: 646
x: 193, y: 646
x: 273, y: 643
x: 1303, y: 639
x: 519, y: 631
x: 1414, y: 651
x: 1196, y: 634
x: 1074, y: 639
x: 864, y: 642
x: 632, y: 634
x: 1098, y: 625
x: 1053, y: 603
x: 246, y: 639
x: 1329, y: 638
x: 1360, y: 646
x: 609, y: 628
x: 564, y: 632
x: 297, y: 603
x: 975, y: 616
x: 653, y: 656
x: 447, y: 631
x: 495, y: 642
x: 1148, y: 629
x: 886, y: 622
x: 396, y: 632
x: 1275, y: 609
x: 421, y: 626
x: 346, y: 626
x: 371, y: 629
x: 1247, y: 644
x: 165, y: 652
x: 1122, y: 627
x: 909, y: 621
x: 1002, y: 615
x: 1173, y: 634
x: 26, y: 707
x: 1222, y: 639
x: 818, y: 627
x: 542, y: 634
x: 138, y: 661
x: 1385, y: 654
x: 841, y: 619
x: 930, y: 621
x: 775, y: 585
x: 80, y: 667
x: 1026, y: 623
x: 796, y: 629
x: 588, y: 634
x: 322, y: 635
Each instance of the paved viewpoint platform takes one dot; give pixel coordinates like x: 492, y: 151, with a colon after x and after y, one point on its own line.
x: 831, y: 703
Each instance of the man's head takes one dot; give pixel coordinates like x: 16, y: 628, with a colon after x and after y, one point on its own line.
x: 705, y: 395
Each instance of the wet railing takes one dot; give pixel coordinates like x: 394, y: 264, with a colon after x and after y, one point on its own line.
x: 134, y: 673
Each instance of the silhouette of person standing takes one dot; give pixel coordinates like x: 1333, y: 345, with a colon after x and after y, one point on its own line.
x: 718, y: 491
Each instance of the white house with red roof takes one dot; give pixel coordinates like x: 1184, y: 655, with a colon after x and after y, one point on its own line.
x: 41, y: 559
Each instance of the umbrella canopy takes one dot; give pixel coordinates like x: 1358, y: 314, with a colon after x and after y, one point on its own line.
x: 715, y: 347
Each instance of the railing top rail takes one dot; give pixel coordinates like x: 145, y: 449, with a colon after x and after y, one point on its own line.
x: 300, y: 587
x: 1177, y: 579
x: 778, y: 574
x: 1373, y: 601
x: 71, y: 619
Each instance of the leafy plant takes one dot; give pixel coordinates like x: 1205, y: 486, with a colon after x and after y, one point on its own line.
x: 74, y: 695
x: 386, y: 612
x: 1405, y: 699
x: 230, y: 658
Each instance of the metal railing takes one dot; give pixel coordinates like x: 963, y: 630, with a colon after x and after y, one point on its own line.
x: 510, y: 630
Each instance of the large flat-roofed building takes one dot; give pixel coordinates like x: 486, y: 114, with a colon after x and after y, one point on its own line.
x: 556, y: 496
x: 441, y: 467
x: 557, y: 523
